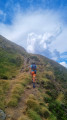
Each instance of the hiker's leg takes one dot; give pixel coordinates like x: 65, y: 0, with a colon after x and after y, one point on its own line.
x: 34, y: 81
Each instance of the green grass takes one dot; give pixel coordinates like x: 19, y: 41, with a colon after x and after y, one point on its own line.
x: 4, y: 87
x: 16, y: 95
x: 18, y: 90
x: 58, y: 110
x: 52, y: 117
x: 33, y: 104
x: 23, y: 117
x: 44, y: 112
x: 33, y: 115
x: 9, y: 63
x: 13, y: 102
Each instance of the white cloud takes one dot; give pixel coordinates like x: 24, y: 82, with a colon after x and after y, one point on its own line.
x: 38, y: 31
x: 40, y: 42
x: 64, y: 64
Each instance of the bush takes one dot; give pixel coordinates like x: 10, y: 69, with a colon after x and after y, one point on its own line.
x: 50, y: 85
x: 13, y: 102
x: 44, y: 112
x: 33, y: 115
x: 32, y: 104
x: 18, y: 89
x: 47, y: 99
x: 58, y: 110
x: 16, y: 96
x: 53, y: 93
x: 52, y: 117
x: 23, y: 117
x: 31, y: 96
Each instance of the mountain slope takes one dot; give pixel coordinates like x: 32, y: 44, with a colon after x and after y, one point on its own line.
x: 11, y: 58
x: 18, y: 98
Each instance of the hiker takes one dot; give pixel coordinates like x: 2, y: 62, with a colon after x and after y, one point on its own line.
x: 33, y: 69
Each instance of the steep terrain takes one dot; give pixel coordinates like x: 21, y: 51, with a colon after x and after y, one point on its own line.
x: 18, y: 99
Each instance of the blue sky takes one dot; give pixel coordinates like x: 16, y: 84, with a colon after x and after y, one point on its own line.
x: 40, y: 26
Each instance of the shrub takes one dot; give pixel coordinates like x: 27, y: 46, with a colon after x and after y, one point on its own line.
x: 33, y: 115
x: 50, y: 85
x: 32, y: 104
x: 60, y: 97
x: 18, y: 89
x: 13, y: 102
x: 53, y: 93
x: 44, y: 112
x: 31, y: 96
x: 52, y: 117
x: 47, y: 99
x: 17, y: 96
x: 58, y: 110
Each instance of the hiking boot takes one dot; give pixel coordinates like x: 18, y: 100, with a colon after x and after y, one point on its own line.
x: 33, y: 85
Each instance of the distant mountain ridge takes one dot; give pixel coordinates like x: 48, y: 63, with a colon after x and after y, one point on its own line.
x: 6, y: 44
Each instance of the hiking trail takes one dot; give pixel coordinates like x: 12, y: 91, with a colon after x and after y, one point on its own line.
x: 13, y: 113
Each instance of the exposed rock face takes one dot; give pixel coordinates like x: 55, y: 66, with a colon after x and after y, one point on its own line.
x: 2, y: 115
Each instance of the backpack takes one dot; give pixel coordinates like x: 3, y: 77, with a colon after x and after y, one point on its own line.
x: 33, y: 66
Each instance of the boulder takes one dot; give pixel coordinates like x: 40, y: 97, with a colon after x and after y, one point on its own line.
x: 2, y: 115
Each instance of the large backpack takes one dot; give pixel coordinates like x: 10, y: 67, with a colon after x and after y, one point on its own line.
x: 33, y: 66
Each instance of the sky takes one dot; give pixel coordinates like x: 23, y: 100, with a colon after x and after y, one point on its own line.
x: 40, y: 26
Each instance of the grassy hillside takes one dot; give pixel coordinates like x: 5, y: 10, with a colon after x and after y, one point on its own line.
x: 11, y: 58
x: 18, y: 98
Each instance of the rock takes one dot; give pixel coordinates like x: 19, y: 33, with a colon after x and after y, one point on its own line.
x: 28, y: 87
x: 2, y: 115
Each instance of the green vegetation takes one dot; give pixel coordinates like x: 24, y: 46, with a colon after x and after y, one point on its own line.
x: 33, y: 115
x: 4, y: 87
x: 11, y: 58
x: 34, y: 58
x: 9, y: 63
x: 18, y: 90
x: 16, y: 94
x: 23, y: 117
x: 52, y: 117
x: 33, y: 104
x: 58, y: 110
x: 44, y: 112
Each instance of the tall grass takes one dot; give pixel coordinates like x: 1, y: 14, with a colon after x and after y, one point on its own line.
x: 4, y: 87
